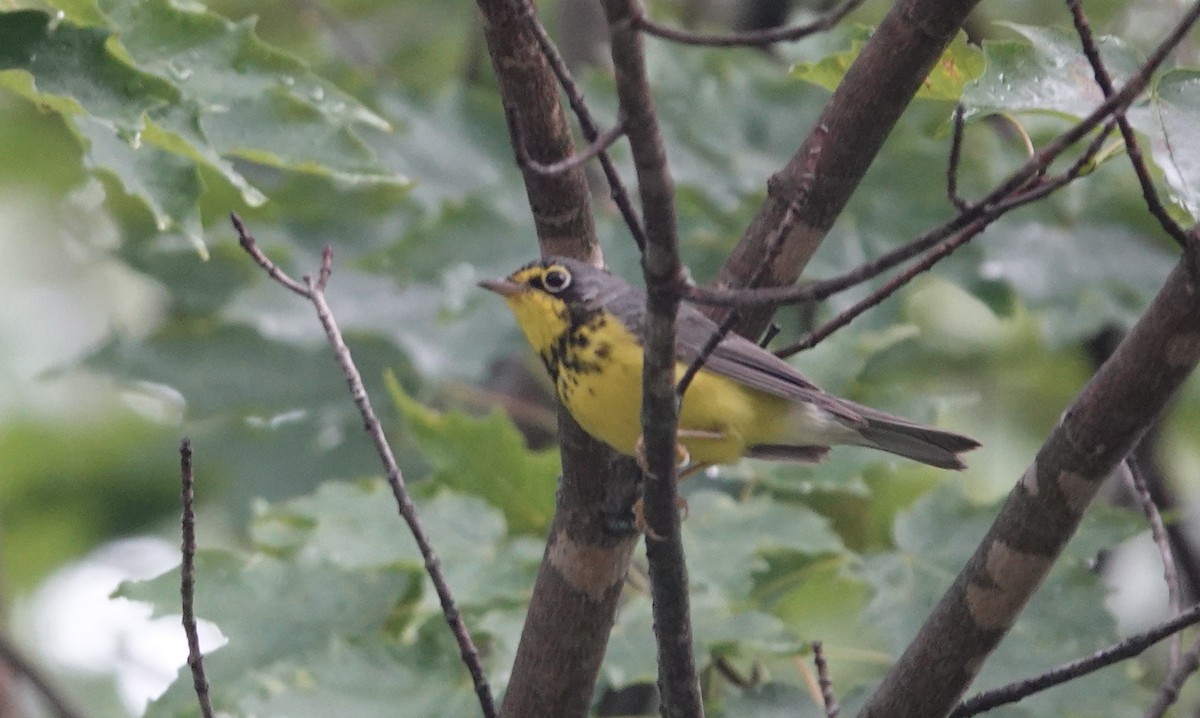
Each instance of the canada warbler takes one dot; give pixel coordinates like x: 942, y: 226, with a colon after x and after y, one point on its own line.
x: 586, y: 325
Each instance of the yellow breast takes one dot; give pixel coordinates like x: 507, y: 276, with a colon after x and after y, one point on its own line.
x: 599, y: 379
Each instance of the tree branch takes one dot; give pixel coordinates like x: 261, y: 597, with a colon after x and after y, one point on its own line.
x: 12, y: 657
x: 187, y: 578
x: 1128, y: 648
x: 847, y: 136
x: 574, y: 601
x: 1105, y: 421
x: 314, y: 291
x: 756, y: 38
x: 679, y: 686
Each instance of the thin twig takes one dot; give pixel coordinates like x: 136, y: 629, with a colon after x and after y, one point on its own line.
x: 314, y: 291
x: 1128, y: 648
x: 12, y: 657
x: 187, y: 578
x: 722, y: 665
x: 775, y: 242
x: 952, y: 164
x: 587, y: 125
x: 1168, y: 692
x: 599, y: 145
x: 731, y: 319
x: 987, y: 210
x: 678, y: 682
x: 823, y: 680
x: 1132, y: 146
x: 945, y: 249
x: 756, y: 38
x: 1137, y: 485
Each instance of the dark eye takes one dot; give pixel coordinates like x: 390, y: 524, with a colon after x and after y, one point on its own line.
x: 556, y: 279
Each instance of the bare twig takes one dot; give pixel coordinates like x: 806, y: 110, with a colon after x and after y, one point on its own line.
x: 832, y: 709
x: 1137, y: 486
x: 314, y: 291
x: 599, y: 145
x: 187, y: 578
x: 1127, y: 648
x: 731, y: 319
x: 12, y: 657
x: 757, y: 38
x: 952, y: 164
x: 587, y: 124
x: 1132, y: 147
x: 774, y: 246
x: 986, y: 211
x: 944, y: 249
x: 1168, y: 692
x: 728, y: 672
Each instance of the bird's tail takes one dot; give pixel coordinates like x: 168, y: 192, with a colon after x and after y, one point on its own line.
x: 911, y: 440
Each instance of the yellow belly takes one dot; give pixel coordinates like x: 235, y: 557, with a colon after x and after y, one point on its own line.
x: 607, y: 404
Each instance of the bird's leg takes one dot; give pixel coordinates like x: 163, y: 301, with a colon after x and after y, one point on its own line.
x: 683, y: 460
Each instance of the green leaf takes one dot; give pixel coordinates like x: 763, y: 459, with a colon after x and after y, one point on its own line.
x: 730, y: 539
x: 1048, y: 73
x: 960, y: 64
x: 1176, y: 99
x: 368, y: 679
x: 357, y: 526
x: 1080, y: 279
x: 180, y: 86
x: 273, y: 612
x: 485, y: 457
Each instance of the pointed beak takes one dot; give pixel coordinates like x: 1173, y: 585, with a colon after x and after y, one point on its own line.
x: 503, y: 287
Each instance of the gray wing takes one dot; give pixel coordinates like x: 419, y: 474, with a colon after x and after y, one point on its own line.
x: 736, y: 357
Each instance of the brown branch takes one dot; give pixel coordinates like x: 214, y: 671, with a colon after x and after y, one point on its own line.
x: 1137, y: 486
x: 1168, y: 692
x: 952, y: 164
x: 12, y: 657
x: 314, y: 291
x: 1129, y: 647
x: 945, y: 249
x: 756, y: 38
x: 1132, y: 146
x: 1105, y: 421
x: 678, y: 683
x: 560, y: 203
x: 187, y: 578
x: 574, y: 601
x: 597, y: 147
x: 731, y: 319
x: 848, y: 134
x: 587, y: 124
x: 832, y: 709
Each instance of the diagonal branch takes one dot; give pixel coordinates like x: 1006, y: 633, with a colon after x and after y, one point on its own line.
x: 16, y: 661
x: 1104, y: 422
x: 1132, y: 147
x: 314, y: 291
x: 849, y: 133
x: 757, y: 38
x: 587, y: 124
x: 1129, y: 647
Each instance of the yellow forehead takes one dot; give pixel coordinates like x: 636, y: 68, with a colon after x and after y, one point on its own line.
x: 524, y: 274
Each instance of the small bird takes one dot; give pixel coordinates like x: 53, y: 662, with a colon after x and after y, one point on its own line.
x: 586, y: 325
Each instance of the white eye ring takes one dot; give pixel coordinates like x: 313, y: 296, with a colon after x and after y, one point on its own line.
x: 556, y: 279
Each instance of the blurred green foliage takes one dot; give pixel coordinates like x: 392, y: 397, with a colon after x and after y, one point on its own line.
x: 133, y: 127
